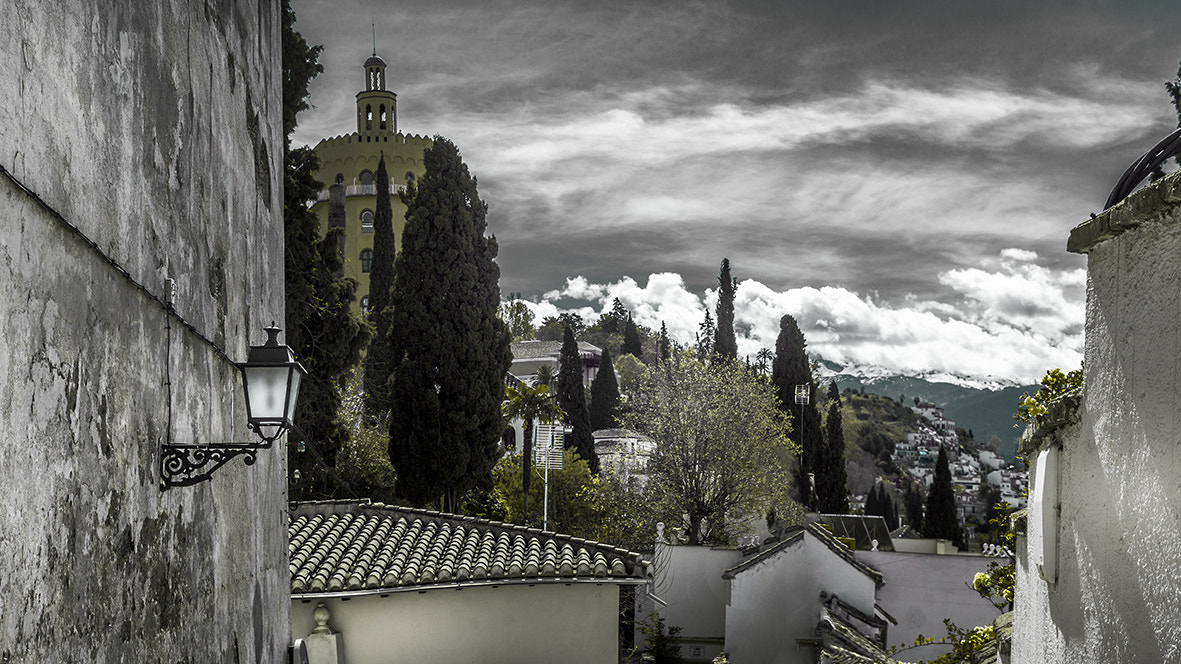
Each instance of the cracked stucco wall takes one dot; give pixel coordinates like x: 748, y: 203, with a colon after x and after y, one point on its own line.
x: 155, y: 129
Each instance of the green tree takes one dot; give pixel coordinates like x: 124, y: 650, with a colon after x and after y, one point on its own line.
x: 519, y: 319
x: 449, y: 351
x: 832, y: 494
x: 321, y: 328
x: 632, y: 374
x: 604, y: 402
x: 913, y: 503
x: 941, y: 521
x: 575, y: 507
x: 790, y: 369
x: 553, y: 327
x: 572, y: 399
x: 722, y: 451
x: 381, y: 282
x: 705, y: 337
x: 530, y: 403
x: 633, y: 343
x: 664, y: 346
x: 725, y: 344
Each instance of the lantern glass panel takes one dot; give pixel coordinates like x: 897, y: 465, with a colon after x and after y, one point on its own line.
x: 266, y: 392
x: 296, y: 375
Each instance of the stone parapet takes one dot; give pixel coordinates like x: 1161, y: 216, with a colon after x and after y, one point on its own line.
x: 1156, y: 203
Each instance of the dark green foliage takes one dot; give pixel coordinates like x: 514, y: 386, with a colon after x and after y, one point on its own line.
x: 300, y: 66
x: 881, y: 503
x: 725, y: 345
x: 530, y: 403
x: 381, y: 281
x: 633, y: 344
x: 551, y: 328
x: 449, y: 351
x: 572, y: 399
x: 604, y: 402
x: 913, y: 503
x: 321, y: 328
x: 705, y: 338
x: 832, y: 494
x: 662, y: 644
x: 941, y: 521
x: 789, y: 369
x: 663, y: 346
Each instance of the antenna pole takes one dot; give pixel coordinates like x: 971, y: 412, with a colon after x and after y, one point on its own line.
x: 374, y: 26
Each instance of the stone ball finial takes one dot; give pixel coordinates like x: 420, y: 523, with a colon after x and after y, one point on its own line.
x: 320, y: 614
x: 875, y: 545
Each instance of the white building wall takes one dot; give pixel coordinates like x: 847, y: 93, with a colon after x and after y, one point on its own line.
x: 491, y: 625
x: 778, y: 601
x: 1118, y: 594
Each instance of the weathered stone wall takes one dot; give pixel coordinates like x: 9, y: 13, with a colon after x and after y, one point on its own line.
x: 1117, y: 594
x: 155, y: 130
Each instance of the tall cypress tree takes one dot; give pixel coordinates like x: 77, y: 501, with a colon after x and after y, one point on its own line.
x: 572, y: 399
x: 941, y: 520
x: 913, y: 502
x: 832, y: 494
x: 449, y: 351
x: 790, y: 369
x: 381, y: 281
x: 632, y: 343
x: 725, y: 344
x: 604, y: 403
x: 705, y: 338
x: 663, y: 346
x: 320, y: 326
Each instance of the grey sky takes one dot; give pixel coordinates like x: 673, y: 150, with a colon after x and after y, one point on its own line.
x: 881, y: 150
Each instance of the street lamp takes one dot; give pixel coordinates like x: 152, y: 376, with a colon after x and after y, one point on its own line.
x: 270, y: 380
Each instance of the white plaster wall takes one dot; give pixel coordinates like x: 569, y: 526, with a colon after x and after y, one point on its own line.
x: 921, y: 589
x: 692, y: 585
x: 1118, y: 595
x: 155, y: 129
x: 778, y: 601
x: 507, y: 624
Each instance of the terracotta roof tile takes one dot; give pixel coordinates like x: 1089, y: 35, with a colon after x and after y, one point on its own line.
x: 344, y: 547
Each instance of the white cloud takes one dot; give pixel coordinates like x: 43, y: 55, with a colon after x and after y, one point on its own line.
x: 1012, y: 321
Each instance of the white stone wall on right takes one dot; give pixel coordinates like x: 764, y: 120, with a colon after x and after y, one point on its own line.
x: 1117, y: 597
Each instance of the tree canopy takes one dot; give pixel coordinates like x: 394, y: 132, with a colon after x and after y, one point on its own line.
x: 789, y: 369
x: 725, y: 344
x: 941, y: 521
x: 604, y: 403
x: 572, y: 399
x: 381, y: 281
x: 722, y: 452
x: 321, y: 327
x: 448, y: 349
x: 832, y: 493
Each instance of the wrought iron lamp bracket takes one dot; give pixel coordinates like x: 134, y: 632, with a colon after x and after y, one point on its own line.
x: 186, y: 464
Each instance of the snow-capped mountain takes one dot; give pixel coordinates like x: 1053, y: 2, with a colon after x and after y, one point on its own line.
x: 984, y: 406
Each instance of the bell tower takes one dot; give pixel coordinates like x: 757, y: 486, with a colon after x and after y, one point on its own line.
x: 377, y: 108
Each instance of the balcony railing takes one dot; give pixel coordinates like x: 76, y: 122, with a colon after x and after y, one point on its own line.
x: 359, y: 190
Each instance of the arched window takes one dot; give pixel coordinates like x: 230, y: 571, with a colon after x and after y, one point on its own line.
x: 409, y: 177
x: 381, y: 115
x: 367, y: 221
x: 366, y: 259
x: 366, y: 177
x: 340, y: 178
x: 368, y: 117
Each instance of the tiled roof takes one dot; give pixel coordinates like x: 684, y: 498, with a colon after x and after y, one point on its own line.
x: 536, y: 350
x: 349, y: 547
x: 845, y: 645
x: 795, y: 534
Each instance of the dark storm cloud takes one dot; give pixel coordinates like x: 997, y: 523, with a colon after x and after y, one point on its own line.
x: 881, y: 149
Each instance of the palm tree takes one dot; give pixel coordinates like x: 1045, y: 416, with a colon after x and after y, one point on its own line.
x: 530, y: 403
x: 545, y: 375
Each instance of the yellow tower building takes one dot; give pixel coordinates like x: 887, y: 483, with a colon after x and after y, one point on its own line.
x: 347, y: 167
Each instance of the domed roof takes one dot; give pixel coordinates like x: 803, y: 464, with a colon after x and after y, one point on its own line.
x: 375, y: 61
